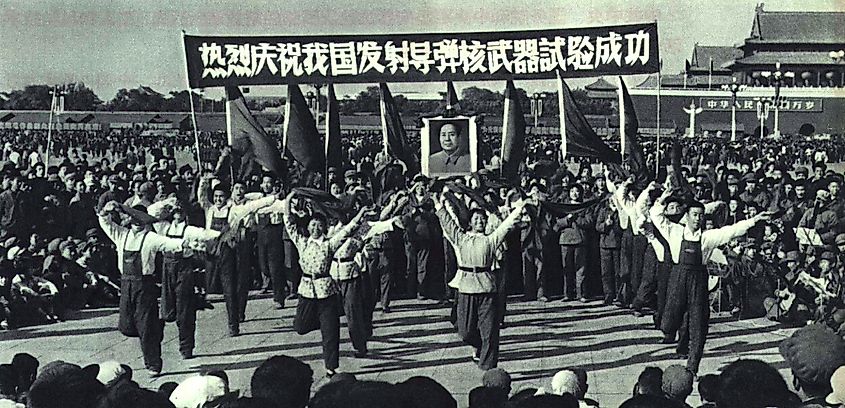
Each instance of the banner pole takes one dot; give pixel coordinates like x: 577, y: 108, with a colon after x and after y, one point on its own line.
x: 191, y: 101
x: 657, y: 149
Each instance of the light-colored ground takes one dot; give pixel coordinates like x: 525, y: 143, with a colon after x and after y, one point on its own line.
x: 416, y: 339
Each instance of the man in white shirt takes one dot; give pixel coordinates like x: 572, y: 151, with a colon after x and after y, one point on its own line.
x: 178, y: 300
x: 136, y: 250
x: 687, y: 293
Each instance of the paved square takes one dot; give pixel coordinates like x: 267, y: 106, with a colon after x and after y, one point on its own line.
x: 415, y: 339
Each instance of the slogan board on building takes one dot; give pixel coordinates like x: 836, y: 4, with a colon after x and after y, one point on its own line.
x: 611, y: 50
x: 750, y: 104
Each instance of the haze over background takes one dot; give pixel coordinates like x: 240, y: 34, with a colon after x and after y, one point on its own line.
x: 110, y: 45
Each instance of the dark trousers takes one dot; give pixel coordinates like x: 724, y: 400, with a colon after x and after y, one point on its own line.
x: 574, y: 269
x: 271, y: 259
x: 139, y: 317
x: 638, y: 248
x: 383, y: 265
x: 430, y: 282
x: 356, y: 295
x: 323, y: 314
x: 609, y: 269
x: 451, y: 267
x: 623, y: 277
x: 292, y: 271
x: 532, y: 276
x: 647, y: 292
x: 478, y: 325
x: 411, y: 270
x: 501, y: 275
x: 688, y: 310
x: 178, y: 302
x: 235, y: 270
x: 663, y: 270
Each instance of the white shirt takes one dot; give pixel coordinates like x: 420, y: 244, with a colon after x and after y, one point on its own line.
x: 127, y: 240
x: 675, y: 234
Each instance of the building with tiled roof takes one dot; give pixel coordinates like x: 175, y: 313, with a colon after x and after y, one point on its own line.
x: 807, y: 47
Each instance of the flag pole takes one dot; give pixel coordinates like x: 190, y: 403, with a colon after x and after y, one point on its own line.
x: 657, y: 149
x: 621, y: 120
x: 562, y: 113
x: 191, y: 101
x: 50, y: 129
x: 505, y: 124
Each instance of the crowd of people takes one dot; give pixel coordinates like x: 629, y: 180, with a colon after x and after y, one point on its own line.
x: 743, y: 228
x: 814, y: 355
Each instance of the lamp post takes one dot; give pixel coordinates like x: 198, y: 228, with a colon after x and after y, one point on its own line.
x: 763, y: 107
x: 537, y: 106
x: 733, y: 88
x: 777, y: 80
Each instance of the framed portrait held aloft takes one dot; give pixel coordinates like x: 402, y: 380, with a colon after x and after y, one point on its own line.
x: 449, y: 146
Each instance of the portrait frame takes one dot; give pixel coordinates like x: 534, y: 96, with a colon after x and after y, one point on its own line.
x: 430, y: 144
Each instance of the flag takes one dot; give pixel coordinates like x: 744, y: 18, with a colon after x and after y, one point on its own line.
x: 581, y: 139
x: 334, y: 151
x: 302, y: 140
x: 396, y: 142
x: 562, y: 115
x: 686, y: 72
x: 248, y: 139
x: 513, y: 134
x: 629, y: 126
x: 451, y: 97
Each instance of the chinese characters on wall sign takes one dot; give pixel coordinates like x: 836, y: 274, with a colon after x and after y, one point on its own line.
x: 750, y: 104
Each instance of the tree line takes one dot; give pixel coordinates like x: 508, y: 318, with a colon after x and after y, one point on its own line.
x: 78, y: 97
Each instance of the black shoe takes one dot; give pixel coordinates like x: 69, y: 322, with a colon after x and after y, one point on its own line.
x: 187, y: 355
x: 234, y: 332
x: 242, y: 319
x: 360, y: 354
x: 279, y: 306
x: 638, y: 313
x: 543, y: 299
x: 667, y: 340
x: 618, y: 303
x: 292, y: 296
x: 154, y: 372
x: 385, y: 309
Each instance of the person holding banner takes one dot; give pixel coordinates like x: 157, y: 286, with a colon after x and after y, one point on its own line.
x: 687, y: 292
x: 477, y: 321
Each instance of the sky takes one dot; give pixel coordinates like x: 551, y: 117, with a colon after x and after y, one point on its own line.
x: 113, y: 44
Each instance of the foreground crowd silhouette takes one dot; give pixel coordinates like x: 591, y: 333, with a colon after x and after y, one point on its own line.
x: 814, y: 355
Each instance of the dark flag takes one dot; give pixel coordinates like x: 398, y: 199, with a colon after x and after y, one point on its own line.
x: 302, y: 140
x: 629, y: 126
x: 513, y: 134
x: 581, y: 139
x: 334, y: 151
x: 396, y: 141
x: 451, y: 97
x: 248, y: 139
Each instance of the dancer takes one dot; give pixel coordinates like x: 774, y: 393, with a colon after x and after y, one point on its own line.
x: 477, y: 321
x: 319, y: 305
x: 136, y: 250
x: 691, y: 247
x: 178, y: 300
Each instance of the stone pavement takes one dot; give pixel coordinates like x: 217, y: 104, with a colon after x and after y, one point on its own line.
x: 415, y: 339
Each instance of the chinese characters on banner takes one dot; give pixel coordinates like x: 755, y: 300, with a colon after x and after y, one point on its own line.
x: 750, y: 104
x: 216, y: 61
